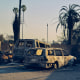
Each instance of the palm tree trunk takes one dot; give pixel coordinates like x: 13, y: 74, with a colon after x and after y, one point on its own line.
x: 70, y: 27
x: 16, y: 28
x: 70, y: 37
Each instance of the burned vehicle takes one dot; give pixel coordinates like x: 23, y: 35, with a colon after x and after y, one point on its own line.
x: 47, y: 57
x: 24, y: 44
x: 5, y: 57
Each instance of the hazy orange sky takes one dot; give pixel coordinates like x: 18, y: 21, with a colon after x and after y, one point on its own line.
x: 37, y: 15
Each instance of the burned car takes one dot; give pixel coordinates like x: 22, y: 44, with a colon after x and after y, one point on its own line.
x: 48, y: 57
x: 3, y: 57
x: 24, y: 44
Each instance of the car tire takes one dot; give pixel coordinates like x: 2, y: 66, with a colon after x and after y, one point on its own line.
x: 74, y: 63
x: 5, y: 61
x: 55, y: 65
x: 10, y: 60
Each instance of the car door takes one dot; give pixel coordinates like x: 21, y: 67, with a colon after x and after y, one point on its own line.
x: 66, y: 57
x: 50, y: 55
x: 60, y: 57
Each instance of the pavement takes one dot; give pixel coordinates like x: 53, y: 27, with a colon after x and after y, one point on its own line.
x: 17, y: 71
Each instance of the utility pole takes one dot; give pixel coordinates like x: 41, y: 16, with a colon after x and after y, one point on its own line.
x: 47, y: 33
x: 19, y: 16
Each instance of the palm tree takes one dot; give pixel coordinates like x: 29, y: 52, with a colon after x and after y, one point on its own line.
x: 15, y: 25
x: 23, y: 9
x: 15, y: 10
x: 67, y: 18
x: 16, y: 22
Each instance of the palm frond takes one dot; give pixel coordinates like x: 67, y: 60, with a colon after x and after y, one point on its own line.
x: 15, y: 10
x: 77, y: 20
x: 63, y: 9
x: 77, y: 10
x: 57, y: 26
x: 64, y: 31
x: 23, y: 8
x: 69, y: 7
x: 74, y: 6
x: 62, y: 13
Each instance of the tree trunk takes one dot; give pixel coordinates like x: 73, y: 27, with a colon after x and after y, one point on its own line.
x: 70, y: 27
x: 16, y: 28
x: 70, y: 37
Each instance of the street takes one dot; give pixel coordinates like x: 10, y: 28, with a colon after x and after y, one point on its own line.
x: 19, y: 72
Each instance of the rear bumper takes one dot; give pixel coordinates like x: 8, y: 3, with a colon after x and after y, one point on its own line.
x: 35, y: 64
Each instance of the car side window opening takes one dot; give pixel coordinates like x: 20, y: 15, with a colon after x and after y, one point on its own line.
x: 50, y: 52
x: 29, y: 44
x: 42, y: 45
x: 20, y: 44
x: 65, y: 53
x: 58, y: 52
x: 37, y: 44
x: 33, y: 52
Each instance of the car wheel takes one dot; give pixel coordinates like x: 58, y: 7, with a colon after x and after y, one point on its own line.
x: 5, y: 61
x: 74, y: 63
x: 10, y: 60
x: 55, y: 65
